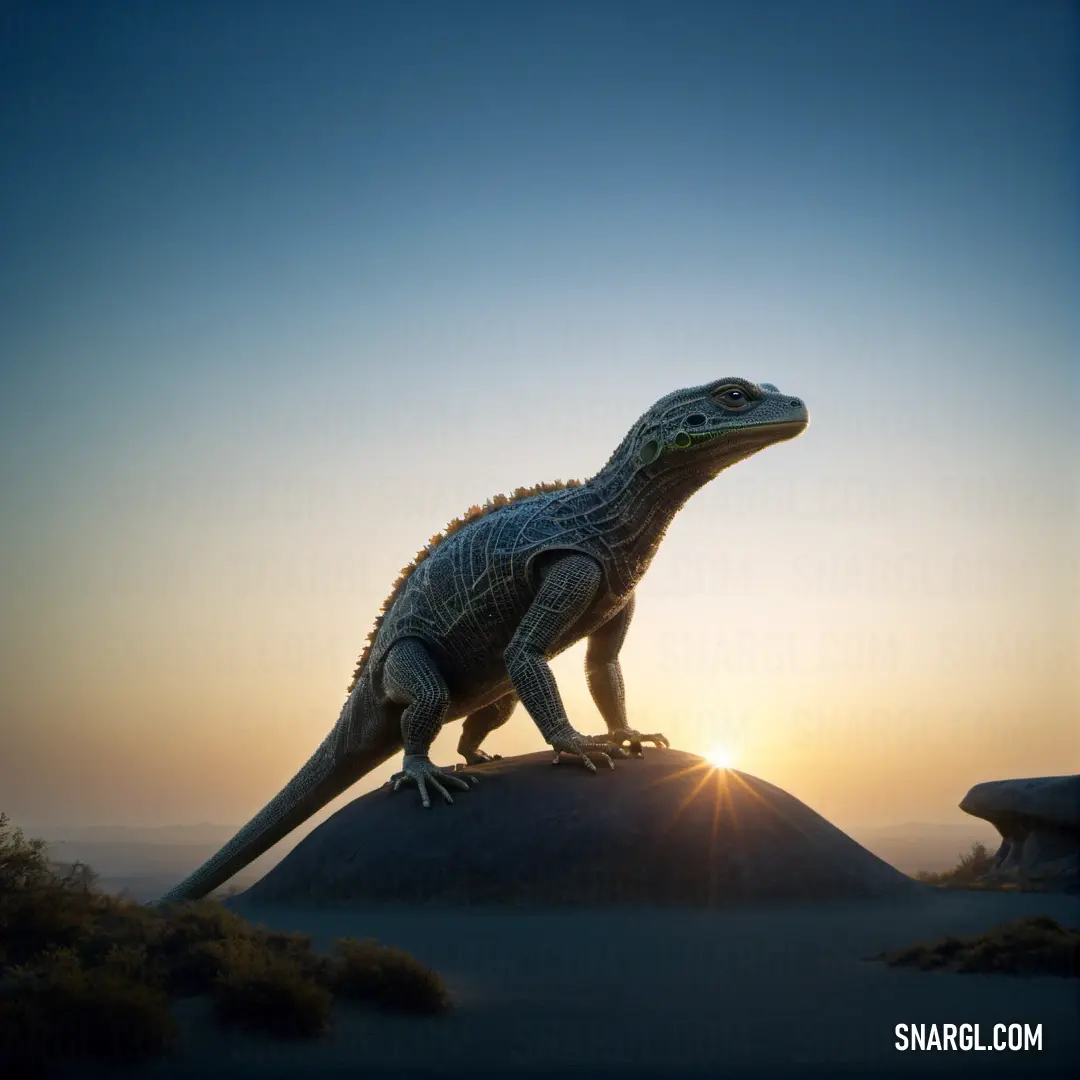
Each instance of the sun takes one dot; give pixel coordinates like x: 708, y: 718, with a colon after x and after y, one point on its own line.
x: 721, y: 757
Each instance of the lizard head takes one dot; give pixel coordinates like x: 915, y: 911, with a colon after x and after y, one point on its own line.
x: 707, y: 428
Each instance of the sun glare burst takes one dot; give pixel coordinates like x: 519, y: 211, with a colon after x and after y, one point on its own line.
x: 721, y: 757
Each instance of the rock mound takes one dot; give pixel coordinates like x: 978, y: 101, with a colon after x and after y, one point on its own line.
x: 1039, y: 822
x: 666, y: 830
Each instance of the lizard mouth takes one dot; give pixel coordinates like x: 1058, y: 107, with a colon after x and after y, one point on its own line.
x: 724, y: 448
x: 757, y: 434
x: 780, y: 430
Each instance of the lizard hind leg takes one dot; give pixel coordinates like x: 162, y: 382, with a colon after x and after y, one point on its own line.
x: 480, y: 724
x: 411, y: 678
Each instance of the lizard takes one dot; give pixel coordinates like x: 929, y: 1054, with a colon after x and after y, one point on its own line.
x: 469, y: 627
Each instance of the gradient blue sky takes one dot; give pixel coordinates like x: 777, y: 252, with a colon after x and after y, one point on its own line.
x: 285, y: 286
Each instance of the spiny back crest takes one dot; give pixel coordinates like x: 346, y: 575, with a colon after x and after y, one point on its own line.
x: 454, y: 526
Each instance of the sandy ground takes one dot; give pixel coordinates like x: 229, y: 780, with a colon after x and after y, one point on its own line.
x: 759, y: 993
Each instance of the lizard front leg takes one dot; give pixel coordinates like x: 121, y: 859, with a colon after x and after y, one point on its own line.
x: 411, y: 678
x: 603, y: 673
x: 565, y: 593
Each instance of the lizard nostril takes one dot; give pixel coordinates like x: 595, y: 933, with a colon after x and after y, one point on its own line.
x: 795, y: 402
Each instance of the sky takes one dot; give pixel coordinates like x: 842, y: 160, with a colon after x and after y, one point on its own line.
x: 286, y: 286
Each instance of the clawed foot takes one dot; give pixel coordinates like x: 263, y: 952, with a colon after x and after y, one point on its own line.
x: 585, y: 748
x: 636, y: 739
x: 418, y: 769
x: 478, y: 757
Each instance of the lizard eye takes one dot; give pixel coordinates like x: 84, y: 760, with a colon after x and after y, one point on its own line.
x: 731, y: 397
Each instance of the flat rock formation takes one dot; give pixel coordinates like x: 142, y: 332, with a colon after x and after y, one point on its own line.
x: 1039, y: 822
x: 665, y: 830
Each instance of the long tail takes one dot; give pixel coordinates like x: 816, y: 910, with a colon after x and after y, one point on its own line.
x: 354, y: 747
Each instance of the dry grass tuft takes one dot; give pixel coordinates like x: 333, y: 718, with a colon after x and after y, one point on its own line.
x: 269, y: 992
x: 1036, y: 945
x: 390, y: 978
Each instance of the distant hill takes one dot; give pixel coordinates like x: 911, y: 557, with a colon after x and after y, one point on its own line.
x: 203, y: 833
x: 920, y: 845
x: 147, y: 862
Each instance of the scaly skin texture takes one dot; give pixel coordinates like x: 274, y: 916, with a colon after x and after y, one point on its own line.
x: 471, y: 624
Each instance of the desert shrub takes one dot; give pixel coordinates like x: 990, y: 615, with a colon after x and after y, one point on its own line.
x: 24, y: 863
x: 1032, y: 946
x: 87, y: 974
x: 40, y: 907
x: 36, y: 919
x: 192, y: 950
x: 971, y: 867
x: 118, y: 924
x: 264, y: 991
x: 296, y: 949
x: 204, y: 920
x: 63, y: 1009
x: 383, y: 976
